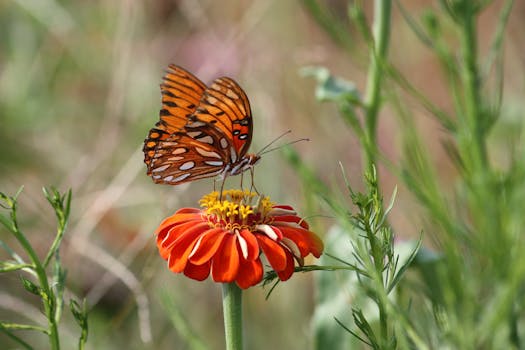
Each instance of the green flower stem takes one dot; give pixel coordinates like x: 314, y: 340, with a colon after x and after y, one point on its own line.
x: 232, y: 310
x: 48, y: 300
x: 372, y: 101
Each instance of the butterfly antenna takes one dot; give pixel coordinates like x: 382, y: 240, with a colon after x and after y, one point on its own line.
x: 261, y: 151
x: 281, y: 146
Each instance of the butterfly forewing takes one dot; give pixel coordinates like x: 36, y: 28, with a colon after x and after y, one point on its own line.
x: 181, y: 92
x: 225, y: 105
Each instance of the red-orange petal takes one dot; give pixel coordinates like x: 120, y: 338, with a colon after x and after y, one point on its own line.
x: 290, y: 218
x: 306, y: 241
x: 179, y: 218
x: 251, y: 243
x: 208, y: 244
x: 288, y: 271
x: 225, y: 262
x: 198, y: 272
x: 273, y: 251
x: 183, y: 246
x: 166, y: 239
x: 250, y: 273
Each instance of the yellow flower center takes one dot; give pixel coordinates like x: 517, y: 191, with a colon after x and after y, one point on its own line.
x: 236, y: 209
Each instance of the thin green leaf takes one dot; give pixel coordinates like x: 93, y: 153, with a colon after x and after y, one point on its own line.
x: 351, y: 332
x: 416, y: 28
x: 62, y: 205
x: 9, y: 266
x: 405, y: 266
x: 364, y: 326
x: 15, y: 338
x: 8, y: 224
x: 80, y: 313
x: 19, y: 326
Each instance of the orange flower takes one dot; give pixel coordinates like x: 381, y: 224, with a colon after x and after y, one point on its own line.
x: 227, y: 238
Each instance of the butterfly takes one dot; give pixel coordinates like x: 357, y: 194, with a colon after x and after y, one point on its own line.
x: 203, y: 131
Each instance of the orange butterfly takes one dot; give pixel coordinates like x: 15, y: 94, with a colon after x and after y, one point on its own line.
x: 202, y: 132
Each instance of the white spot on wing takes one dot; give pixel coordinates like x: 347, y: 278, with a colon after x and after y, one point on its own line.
x: 205, y: 153
x: 168, y: 178
x: 193, y: 134
x: 182, y: 177
x: 214, y: 162
x: 211, y: 100
x: 174, y: 159
x: 206, y: 139
x: 187, y: 165
x: 179, y: 151
x: 224, y: 143
x: 195, y: 124
x: 161, y: 168
x: 233, y: 155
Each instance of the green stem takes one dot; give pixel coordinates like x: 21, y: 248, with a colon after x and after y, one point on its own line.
x: 372, y: 101
x: 377, y: 262
x: 48, y: 300
x: 378, y: 53
x: 232, y: 309
x: 473, y: 137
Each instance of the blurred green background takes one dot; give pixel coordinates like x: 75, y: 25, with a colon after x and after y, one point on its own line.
x: 79, y: 90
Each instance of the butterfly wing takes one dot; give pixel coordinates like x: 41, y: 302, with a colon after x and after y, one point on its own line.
x: 204, y: 143
x: 181, y: 92
x: 181, y: 158
x: 223, y: 119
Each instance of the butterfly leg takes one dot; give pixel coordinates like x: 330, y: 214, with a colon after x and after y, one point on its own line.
x: 222, y: 187
x: 252, y: 173
x: 242, y: 177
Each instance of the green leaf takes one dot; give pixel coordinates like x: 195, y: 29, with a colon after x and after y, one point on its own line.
x: 8, y: 224
x: 15, y: 338
x: 8, y: 266
x: 80, y: 314
x: 31, y: 287
x: 62, y: 206
x: 408, y: 261
x: 19, y: 326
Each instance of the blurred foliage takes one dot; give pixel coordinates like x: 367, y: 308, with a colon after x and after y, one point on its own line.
x: 79, y: 91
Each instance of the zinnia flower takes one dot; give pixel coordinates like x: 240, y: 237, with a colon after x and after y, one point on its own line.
x: 226, y: 237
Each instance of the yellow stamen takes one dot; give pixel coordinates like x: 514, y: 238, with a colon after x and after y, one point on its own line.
x: 236, y: 206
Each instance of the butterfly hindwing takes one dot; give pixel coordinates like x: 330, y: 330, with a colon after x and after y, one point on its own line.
x: 181, y: 159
